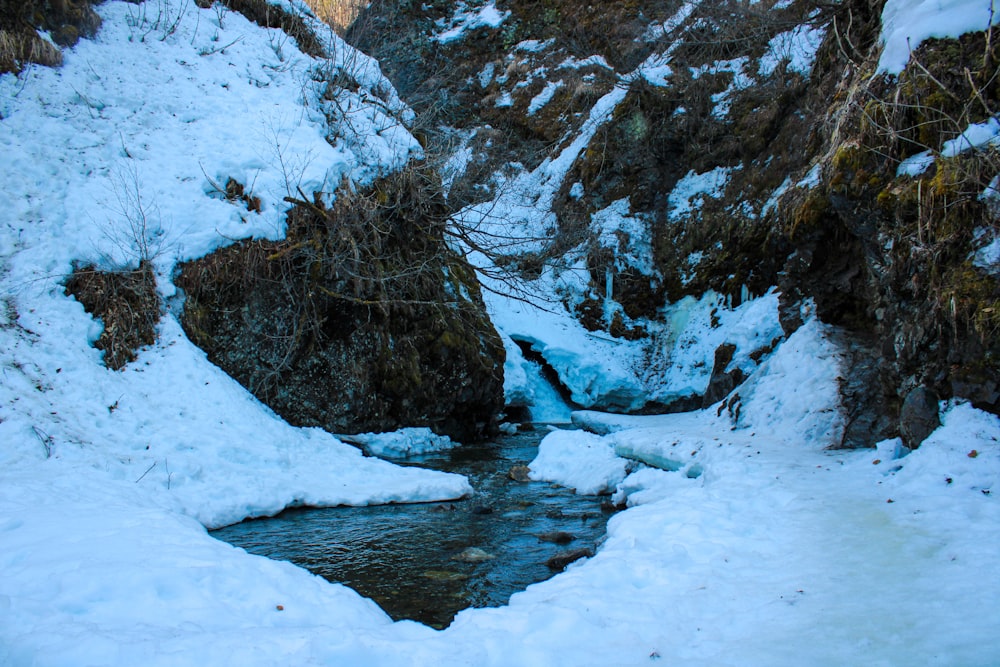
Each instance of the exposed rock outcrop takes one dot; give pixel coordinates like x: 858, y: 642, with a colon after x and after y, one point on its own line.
x: 764, y: 149
x: 361, y: 319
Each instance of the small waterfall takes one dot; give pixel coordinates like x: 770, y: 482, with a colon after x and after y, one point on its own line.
x: 548, y: 404
x: 547, y: 400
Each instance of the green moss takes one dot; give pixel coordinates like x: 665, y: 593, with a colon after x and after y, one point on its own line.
x: 810, y: 215
x: 637, y: 127
x: 973, y: 297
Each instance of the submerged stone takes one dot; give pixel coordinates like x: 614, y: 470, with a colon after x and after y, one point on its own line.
x: 445, y: 575
x: 473, y: 555
x: 519, y: 474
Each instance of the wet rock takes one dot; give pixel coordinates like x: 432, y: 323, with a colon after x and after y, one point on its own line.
x: 722, y: 382
x: 561, y: 560
x: 919, y: 416
x: 867, y: 415
x: 473, y: 555
x: 519, y: 474
x: 557, y: 537
x: 608, y: 507
x: 481, y: 509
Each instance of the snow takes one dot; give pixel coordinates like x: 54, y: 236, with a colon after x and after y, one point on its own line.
x: 525, y: 385
x: 761, y: 548
x: 976, y: 135
x: 626, y: 234
x: 772, y: 202
x: 907, y: 23
x: 797, y: 47
x: 696, y: 328
x: 573, y: 62
x: 597, y: 370
x: 466, y: 19
x: 916, y: 164
x: 812, y: 178
x: 658, y: 31
x: 412, y: 441
x: 740, y: 81
x: 786, y: 554
x: 689, y: 193
x: 504, y: 100
x: 988, y: 257
x: 581, y: 460
x: 487, y: 74
x: 544, y: 97
x: 533, y: 45
x: 547, y: 404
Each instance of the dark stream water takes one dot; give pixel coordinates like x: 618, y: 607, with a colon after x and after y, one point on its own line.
x: 427, y: 562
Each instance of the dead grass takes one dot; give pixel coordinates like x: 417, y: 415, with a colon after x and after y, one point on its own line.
x: 127, y: 304
x: 22, y: 47
x: 267, y: 15
x: 340, y: 14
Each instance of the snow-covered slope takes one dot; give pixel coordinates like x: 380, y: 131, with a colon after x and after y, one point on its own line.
x: 763, y: 548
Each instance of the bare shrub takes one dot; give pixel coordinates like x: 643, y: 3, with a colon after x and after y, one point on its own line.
x: 134, y: 228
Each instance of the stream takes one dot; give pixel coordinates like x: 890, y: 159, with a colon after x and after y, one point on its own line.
x: 427, y: 562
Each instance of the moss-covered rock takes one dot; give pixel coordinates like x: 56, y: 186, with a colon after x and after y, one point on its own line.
x: 888, y: 251
x: 361, y: 319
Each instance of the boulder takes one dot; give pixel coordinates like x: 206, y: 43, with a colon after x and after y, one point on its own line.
x: 919, y: 416
x: 722, y: 382
x: 360, y: 320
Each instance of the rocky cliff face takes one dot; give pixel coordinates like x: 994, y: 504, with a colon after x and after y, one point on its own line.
x: 758, y: 145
